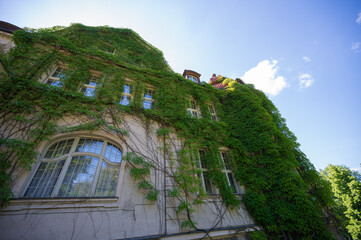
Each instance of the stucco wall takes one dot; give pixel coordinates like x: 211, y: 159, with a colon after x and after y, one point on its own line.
x: 127, y: 215
x: 5, y: 42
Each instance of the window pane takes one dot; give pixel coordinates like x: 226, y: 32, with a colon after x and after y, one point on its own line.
x: 89, y: 145
x: 202, y: 158
x: 211, y: 109
x: 93, y: 81
x: 147, y: 104
x: 207, y: 183
x: 68, y: 146
x: 79, y: 177
x: 148, y: 94
x: 113, y: 154
x: 192, y: 113
x: 44, y: 180
x: 232, y: 182
x: 127, y: 89
x: 56, y: 83
x: 194, y: 79
x: 225, y: 158
x: 125, y: 100
x: 59, y: 148
x: 107, y: 181
x: 88, y: 91
x: 192, y: 104
x: 59, y: 73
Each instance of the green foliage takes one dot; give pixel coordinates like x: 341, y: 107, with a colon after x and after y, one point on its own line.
x: 284, y: 193
x: 269, y: 163
x: 140, y: 171
x: 152, y: 195
x: 346, y: 188
x: 185, y: 205
x: 258, y: 235
x: 164, y: 132
x: 173, y: 192
x: 188, y: 223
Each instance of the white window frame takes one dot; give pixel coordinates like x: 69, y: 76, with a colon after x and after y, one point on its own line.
x: 226, y: 169
x: 68, y: 158
x: 53, y: 80
x: 204, y: 169
x: 128, y: 95
x: 151, y: 99
x: 193, y: 78
x: 93, y: 78
x: 228, y: 172
x: 193, y: 112
x: 213, y: 112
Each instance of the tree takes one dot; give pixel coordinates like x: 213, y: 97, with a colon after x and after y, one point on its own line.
x: 346, y: 188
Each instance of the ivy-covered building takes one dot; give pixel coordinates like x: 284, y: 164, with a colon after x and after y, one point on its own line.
x: 101, y: 139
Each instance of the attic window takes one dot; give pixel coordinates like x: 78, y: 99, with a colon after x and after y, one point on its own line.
x: 193, y: 78
x: 191, y: 75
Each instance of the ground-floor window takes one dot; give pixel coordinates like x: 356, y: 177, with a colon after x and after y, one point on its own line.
x: 76, y: 167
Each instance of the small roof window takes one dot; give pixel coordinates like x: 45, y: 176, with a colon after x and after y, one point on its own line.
x: 192, y: 75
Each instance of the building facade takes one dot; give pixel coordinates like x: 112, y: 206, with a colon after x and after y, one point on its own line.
x: 114, y: 143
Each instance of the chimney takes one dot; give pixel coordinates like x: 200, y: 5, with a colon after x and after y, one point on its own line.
x: 213, y: 79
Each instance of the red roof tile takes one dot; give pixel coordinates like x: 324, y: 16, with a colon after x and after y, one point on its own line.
x: 219, y: 85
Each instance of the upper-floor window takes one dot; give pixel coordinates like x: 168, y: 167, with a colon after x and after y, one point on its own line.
x: 76, y: 167
x: 212, y: 111
x: 193, y: 78
x: 89, y: 86
x: 192, y: 75
x: 57, y: 77
x: 126, y: 95
x: 148, y: 98
x: 193, y: 109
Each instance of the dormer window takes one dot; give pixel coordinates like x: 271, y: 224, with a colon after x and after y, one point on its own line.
x: 192, y: 75
x: 194, y: 79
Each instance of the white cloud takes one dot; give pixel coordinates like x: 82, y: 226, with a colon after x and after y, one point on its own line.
x: 265, y: 77
x: 306, y: 59
x: 355, y: 46
x: 358, y: 20
x: 306, y: 80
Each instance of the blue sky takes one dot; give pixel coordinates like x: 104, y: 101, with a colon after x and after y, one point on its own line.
x: 305, y: 55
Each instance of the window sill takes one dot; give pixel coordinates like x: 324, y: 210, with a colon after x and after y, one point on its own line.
x: 21, y: 204
x: 218, y: 197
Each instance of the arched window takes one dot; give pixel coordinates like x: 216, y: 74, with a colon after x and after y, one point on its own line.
x: 76, y: 167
